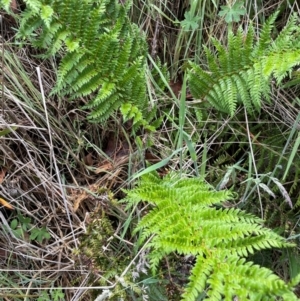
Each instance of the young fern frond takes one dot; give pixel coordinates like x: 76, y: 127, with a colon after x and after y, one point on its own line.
x: 241, y: 72
x: 100, y: 52
x: 184, y: 220
x: 262, y: 46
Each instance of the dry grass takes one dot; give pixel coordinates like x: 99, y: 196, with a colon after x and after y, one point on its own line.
x: 56, y: 169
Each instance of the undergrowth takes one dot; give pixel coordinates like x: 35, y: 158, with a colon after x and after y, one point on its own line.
x: 135, y: 68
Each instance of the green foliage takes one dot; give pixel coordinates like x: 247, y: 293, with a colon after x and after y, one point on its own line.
x: 99, y: 249
x: 21, y: 227
x: 7, y: 131
x: 160, y: 76
x: 190, y: 21
x: 233, y: 13
x: 55, y: 295
x: 102, y: 54
x: 188, y: 218
x: 241, y: 72
x: 39, y: 234
x: 132, y: 112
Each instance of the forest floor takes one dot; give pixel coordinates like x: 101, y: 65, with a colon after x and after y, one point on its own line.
x: 64, y: 235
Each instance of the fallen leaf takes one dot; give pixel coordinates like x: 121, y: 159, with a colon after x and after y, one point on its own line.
x: 6, y: 204
x: 104, y: 167
x: 111, y: 146
x: 176, y: 87
x: 79, y: 198
x: 88, y: 159
x: 2, y: 174
x: 150, y: 157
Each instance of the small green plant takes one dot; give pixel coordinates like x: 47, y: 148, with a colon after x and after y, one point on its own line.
x: 39, y: 234
x: 190, y: 21
x: 187, y: 217
x: 53, y: 295
x: 22, y: 227
x: 99, y: 249
x: 7, y: 131
x: 233, y: 12
x: 242, y: 71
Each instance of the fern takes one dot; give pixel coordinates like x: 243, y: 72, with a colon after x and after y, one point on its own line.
x: 101, y: 54
x: 241, y: 72
x: 185, y: 220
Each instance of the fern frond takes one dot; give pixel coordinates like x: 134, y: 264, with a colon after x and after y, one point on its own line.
x: 198, y: 279
x: 100, y: 51
x: 241, y: 71
x: 281, y: 66
x: 263, y: 44
x: 35, y: 5
x: 184, y: 220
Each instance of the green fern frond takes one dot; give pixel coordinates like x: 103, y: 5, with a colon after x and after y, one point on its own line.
x: 35, y: 5
x: 264, y: 40
x: 100, y: 51
x: 184, y: 220
x: 130, y: 111
x: 280, y: 66
x: 241, y: 71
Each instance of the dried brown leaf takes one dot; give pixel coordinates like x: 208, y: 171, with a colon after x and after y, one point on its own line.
x: 6, y: 204
x: 2, y: 174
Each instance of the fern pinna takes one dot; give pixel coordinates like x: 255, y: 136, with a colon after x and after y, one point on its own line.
x: 241, y: 72
x: 101, y: 53
x: 183, y: 219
